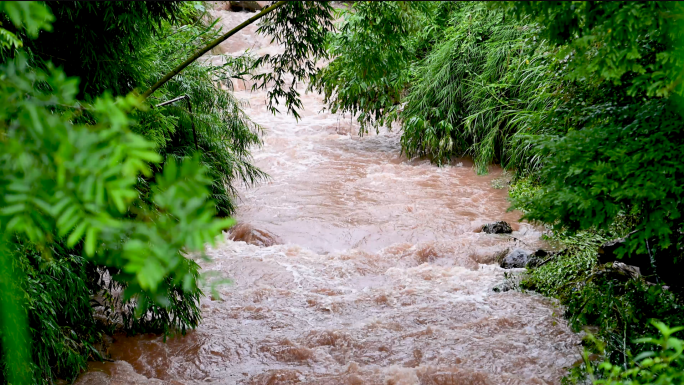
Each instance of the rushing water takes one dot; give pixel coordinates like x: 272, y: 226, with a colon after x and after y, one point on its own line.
x: 362, y: 267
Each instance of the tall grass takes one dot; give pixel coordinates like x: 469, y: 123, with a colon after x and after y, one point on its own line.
x: 479, y: 91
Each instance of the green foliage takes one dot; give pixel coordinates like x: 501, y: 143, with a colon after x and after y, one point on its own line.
x: 523, y: 188
x: 224, y: 132
x: 120, y: 47
x: 638, y: 43
x: 618, y: 310
x: 372, y: 52
x: 28, y: 16
x: 575, y: 263
x: 69, y: 193
x: 59, y: 312
x: 100, y: 42
x: 631, y: 164
x: 301, y: 27
x: 78, y: 181
x: 662, y: 366
x: 613, y: 159
x: 485, y: 82
x: 14, y: 337
x: 621, y: 310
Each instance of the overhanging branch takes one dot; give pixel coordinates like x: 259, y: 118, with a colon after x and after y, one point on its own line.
x: 208, y: 47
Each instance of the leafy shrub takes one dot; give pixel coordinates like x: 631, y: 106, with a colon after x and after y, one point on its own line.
x: 630, y: 165
x: 638, y: 44
x: 372, y: 53
x: 68, y: 188
x: 617, y: 309
x: 659, y: 367
x: 620, y: 156
x: 573, y: 264
x: 659, y: 363
x: 57, y: 294
x: 100, y: 42
x: 121, y: 47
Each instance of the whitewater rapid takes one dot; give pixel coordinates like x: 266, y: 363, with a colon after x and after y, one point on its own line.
x: 364, y: 268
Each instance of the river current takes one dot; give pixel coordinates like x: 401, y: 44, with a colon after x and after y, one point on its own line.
x: 355, y: 265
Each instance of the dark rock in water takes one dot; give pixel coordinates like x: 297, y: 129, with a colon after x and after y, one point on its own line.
x: 503, y: 287
x: 500, y: 227
x: 517, y: 258
x: 246, y: 233
x: 251, y: 6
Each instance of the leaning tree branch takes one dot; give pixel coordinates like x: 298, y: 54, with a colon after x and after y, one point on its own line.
x: 208, y: 47
x: 192, y: 116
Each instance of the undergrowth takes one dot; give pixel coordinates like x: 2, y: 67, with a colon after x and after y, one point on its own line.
x: 616, y: 313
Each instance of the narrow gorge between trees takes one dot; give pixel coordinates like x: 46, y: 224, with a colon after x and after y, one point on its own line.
x: 364, y: 268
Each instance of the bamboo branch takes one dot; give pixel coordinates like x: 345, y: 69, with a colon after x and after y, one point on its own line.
x: 208, y: 47
x: 192, y: 116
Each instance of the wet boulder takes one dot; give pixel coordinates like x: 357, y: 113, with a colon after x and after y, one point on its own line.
x: 517, y: 258
x: 500, y: 227
x: 503, y: 287
x: 251, y: 6
x: 608, y: 252
x: 246, y: 233
x: 618, y: 271
x: 540, y: 257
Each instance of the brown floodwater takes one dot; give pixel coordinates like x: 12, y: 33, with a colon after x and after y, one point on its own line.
x: 355, y: 265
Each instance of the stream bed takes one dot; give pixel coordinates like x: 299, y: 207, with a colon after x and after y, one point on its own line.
x: 362, y: 267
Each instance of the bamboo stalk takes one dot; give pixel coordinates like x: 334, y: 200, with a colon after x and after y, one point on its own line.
x: 208, y: 47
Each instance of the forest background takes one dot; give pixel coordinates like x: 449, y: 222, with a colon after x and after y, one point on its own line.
x: 103, y: 195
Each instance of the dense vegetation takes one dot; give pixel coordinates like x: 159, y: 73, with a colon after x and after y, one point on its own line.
x: 104, y: 195
x: 582, y: 101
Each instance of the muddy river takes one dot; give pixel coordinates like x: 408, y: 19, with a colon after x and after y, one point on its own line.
x: 362, y: 267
